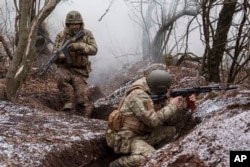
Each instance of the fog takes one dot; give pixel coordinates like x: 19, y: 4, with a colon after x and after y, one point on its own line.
x: 117, y: 36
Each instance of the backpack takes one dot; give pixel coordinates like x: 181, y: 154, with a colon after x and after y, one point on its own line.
x: 116, y: 118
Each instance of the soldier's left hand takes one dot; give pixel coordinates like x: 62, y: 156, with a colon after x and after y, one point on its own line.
x: 192, y: 97
x: 73, y: 46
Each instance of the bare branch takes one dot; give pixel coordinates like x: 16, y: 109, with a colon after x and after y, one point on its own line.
x: 106, y: 10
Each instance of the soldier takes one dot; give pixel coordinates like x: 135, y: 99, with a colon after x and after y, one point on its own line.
x: 141, y: 123
x: 72, y: 78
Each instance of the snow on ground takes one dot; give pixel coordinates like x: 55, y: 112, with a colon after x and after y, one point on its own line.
x: 224, y: 127
x: 27, y: 135
x: 210, y: 106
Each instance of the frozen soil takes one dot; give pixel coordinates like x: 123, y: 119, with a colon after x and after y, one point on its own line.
x: 34, y: 133
x: 224, y: 127
x: 31, y: 137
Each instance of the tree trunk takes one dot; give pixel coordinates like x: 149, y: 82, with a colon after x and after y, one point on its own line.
x: 12, y: 77
x: 146, y: 47
x: 239, y: 61
x: 19, y: 66
x: 156, y: 51
x: 215, y: 55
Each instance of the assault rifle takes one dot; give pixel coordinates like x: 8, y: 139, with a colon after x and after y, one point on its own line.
x: 185, y: 92
x: 64, y: 50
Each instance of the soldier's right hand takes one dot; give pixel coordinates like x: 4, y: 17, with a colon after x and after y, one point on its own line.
x: 60, y: 59
x: 61, y: 56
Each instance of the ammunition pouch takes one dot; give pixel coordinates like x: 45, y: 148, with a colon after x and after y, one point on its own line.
x: 118, y: 120
x: 80, y: 61
x: 132, y: 122
x: 113, y: 140
x: 119, y: 143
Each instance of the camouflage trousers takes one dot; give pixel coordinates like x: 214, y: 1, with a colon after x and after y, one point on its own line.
x: 72, y: 84
x: 141, y: 146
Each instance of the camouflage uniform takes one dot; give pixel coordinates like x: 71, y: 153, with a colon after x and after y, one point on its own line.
x: 72, y: 78
x: 145, y: 125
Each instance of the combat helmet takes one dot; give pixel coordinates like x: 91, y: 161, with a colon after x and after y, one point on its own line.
x: 74, y: 17
x: 159, y: 81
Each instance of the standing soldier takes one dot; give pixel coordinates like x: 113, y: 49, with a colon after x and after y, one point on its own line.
x: 72, y: 78
x: 139, y: 124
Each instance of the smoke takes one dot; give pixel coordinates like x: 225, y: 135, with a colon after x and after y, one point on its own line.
x: 115, y: 29
x: 117, y: 36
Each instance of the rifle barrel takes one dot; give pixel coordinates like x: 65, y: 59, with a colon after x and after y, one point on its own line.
x: 188, y: 91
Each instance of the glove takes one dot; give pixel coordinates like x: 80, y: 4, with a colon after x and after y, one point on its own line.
x: 60, y: 59
x: 74, y: 46
x: 61, y: 56
x: 191, y: 102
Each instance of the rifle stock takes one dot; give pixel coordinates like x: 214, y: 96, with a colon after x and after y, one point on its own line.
x: 63, y: 49
x: 44, y: 36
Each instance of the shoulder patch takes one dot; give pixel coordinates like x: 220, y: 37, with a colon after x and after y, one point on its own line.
x: 147, y: 104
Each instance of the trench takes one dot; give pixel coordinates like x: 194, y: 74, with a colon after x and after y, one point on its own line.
x: 95, y: 152
x: 92, y: 153
x: 87, y: 153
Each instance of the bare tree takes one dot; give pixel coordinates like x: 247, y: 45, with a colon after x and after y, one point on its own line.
x: 27, y: 27
x: 224, y: 31
x: 214, y: 54
x: 240, y: 54
x: 159, y: 19
x: 225, y: 38
x: 146, y: 36
x: 157, y: 45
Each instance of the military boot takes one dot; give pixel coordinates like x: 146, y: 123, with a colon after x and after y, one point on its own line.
x: 68, y: 106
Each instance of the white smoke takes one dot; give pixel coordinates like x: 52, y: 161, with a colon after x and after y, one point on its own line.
x: 117, y: 36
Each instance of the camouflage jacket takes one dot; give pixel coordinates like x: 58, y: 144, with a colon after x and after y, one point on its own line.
x: 83, y: 47
x: 140, y: 117
x: 86, y: 44
x: 138, y: 106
